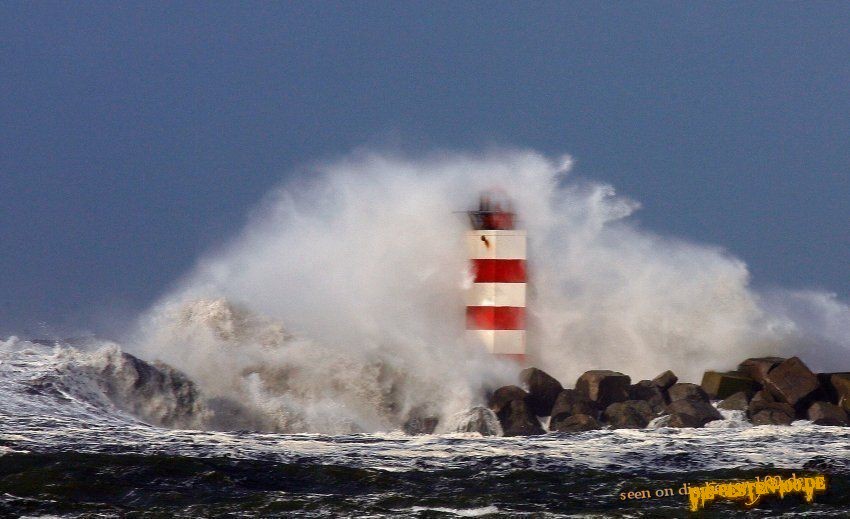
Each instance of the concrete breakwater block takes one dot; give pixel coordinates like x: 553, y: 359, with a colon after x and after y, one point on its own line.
x: 837, y: 388
x: 631, y: 414
x: 792, y: 382
x: 771, y: 390
x: 721, y: 385
x: 604, y: 387
x: 687, y: 391
x: 570, y: 403
x: 758, y: 367
x: 825, y: 413
x: 543, y: 389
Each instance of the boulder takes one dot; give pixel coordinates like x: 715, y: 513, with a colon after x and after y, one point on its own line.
x: 840, y: 385
x: 422, y: 419
x: 684, y: 420
x: 570, y: 402
x: 686, y: 391
x: 758, y: 401
x: 825, y: 413
x: 828, y: 392
x: 665, y: 380
x: 505, y: 394
x: 771, y: 416
x: 736, y: 402
x: 758, y: 367
x: 517, y: 419
x: 720, y: 385
x: 791, y: 382
x: 764, y: 401
x: 648, y: 391
x: 576, y: 423
x: 696, y: 413
x: 771, y: 408
x: 420, y: 425
x: 542, y: 389
x: 631, y: 414
x: 604, y: 387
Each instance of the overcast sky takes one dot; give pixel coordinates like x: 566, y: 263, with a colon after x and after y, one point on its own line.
x: 136, y: 136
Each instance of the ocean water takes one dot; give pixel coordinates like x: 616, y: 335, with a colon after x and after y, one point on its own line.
x: 66, y: 450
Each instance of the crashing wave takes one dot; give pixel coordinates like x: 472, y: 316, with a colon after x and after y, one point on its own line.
x: 366, y: 264
x: 94, y: 374
x: 258, y: 375
x: 478, y: 419
x: 156, y: 393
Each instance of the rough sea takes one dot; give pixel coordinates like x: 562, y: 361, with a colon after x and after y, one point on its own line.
x: 67, y: 451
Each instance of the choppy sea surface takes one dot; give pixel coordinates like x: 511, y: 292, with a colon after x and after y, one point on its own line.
x: 67, y: 452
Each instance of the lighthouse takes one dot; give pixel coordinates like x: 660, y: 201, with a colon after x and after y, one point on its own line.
x: 495, y: 303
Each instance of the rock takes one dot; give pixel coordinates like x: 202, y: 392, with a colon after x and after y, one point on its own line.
x: 764, y: 401
x: 511, y: 406
x: 758, y: 367
x: 570, y: 402
x: 770, y: 416
x: 478, y: 419
x: 720, y: 385
x: 421, y: 419
x: 686, y: 391
x: 736, y: 402
x: 683, y: 420
x: 576, y: 423
x: 828, y: 393
x: 758, y: 401
x: 650, y: 392
x: 840, y: 385
x: 825, y: 413
x: 517, y: 419
x: 697, y: 413
x: 771, y: 408
x: 792, y: 382
x: 604, y: 387
x: 420, y: 425
x: 665, y: 380
x: 505, y: 394
x: 542, y: 389
x: 631, y: 414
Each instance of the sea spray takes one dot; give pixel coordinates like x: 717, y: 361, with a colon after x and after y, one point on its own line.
x: 478, y: 419
x: 360, y: 273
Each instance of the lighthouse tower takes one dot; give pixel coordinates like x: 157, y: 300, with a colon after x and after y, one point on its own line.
x: 495, y: 304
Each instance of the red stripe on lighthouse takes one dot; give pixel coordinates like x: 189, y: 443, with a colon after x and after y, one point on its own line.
x: 499, y: 270
x: 495, y: 318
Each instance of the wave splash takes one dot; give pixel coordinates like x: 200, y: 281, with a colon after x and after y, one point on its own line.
x: 361, y: 272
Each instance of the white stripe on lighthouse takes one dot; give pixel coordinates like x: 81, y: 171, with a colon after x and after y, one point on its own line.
x: 505, y: 342
x: 496, y: 244
x: 496, y: 294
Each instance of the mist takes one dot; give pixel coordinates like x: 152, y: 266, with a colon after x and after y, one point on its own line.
x: 339, y: 307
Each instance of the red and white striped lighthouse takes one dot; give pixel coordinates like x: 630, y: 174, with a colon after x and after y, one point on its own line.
x: 495, y: 304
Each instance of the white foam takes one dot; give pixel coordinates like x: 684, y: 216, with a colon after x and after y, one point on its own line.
x: 460, y: 512
x: 339, y: 308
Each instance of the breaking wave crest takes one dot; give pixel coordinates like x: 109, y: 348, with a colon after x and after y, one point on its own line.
x: 94, y: 379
